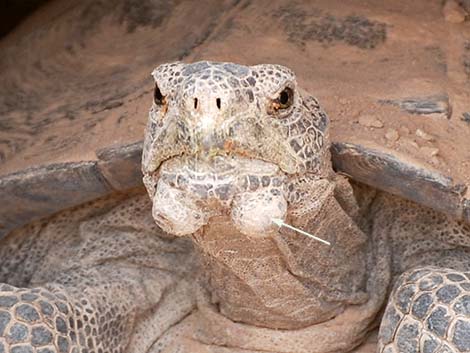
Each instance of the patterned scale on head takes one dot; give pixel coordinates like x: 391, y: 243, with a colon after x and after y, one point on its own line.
x: 221, y: 129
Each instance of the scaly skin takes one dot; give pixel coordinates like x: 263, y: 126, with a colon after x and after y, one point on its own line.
x: 258, y: 275
x: 227, y: 148
x: 93, y: 279
x: 249, y: 132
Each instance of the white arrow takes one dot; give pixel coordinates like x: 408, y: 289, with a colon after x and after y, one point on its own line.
x: 281, y: 223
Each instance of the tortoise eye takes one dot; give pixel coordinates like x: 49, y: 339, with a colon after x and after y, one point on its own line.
x: 158, y: 97
x: 284, y: 100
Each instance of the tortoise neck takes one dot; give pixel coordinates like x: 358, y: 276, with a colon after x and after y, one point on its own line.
x: 286, y: 281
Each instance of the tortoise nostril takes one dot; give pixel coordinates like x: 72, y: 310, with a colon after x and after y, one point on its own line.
x: 218, y: 102
x: 195, y: 103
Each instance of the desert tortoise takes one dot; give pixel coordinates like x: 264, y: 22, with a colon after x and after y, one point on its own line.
x: 228, y: 147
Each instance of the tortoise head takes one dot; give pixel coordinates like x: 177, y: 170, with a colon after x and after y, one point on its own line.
x: 205, y: 109
x: 220, y: 133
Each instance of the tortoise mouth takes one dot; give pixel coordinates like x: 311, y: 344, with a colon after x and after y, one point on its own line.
x: 219, y: 176
x: 187, y: 191
x: 220, y: 164
x: 243, y: 145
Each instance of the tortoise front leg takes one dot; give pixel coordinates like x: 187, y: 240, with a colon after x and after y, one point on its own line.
x: 429, y: 306
x: 85, y: 310
x: 428, y: 311
x: 108, y: 308
x: 45, y: 321
x: 118, y: 286
x: 36, y: 320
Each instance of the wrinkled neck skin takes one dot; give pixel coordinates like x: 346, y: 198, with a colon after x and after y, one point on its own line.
x: 256, y: 273
x: 283, y: 279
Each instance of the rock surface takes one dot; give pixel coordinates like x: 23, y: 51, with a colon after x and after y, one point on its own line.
x: 392, y: 135
x: 453, y: 12
x: 370, y: 121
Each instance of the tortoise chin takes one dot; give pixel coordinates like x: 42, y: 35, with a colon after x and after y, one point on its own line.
x: 189, y: 190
